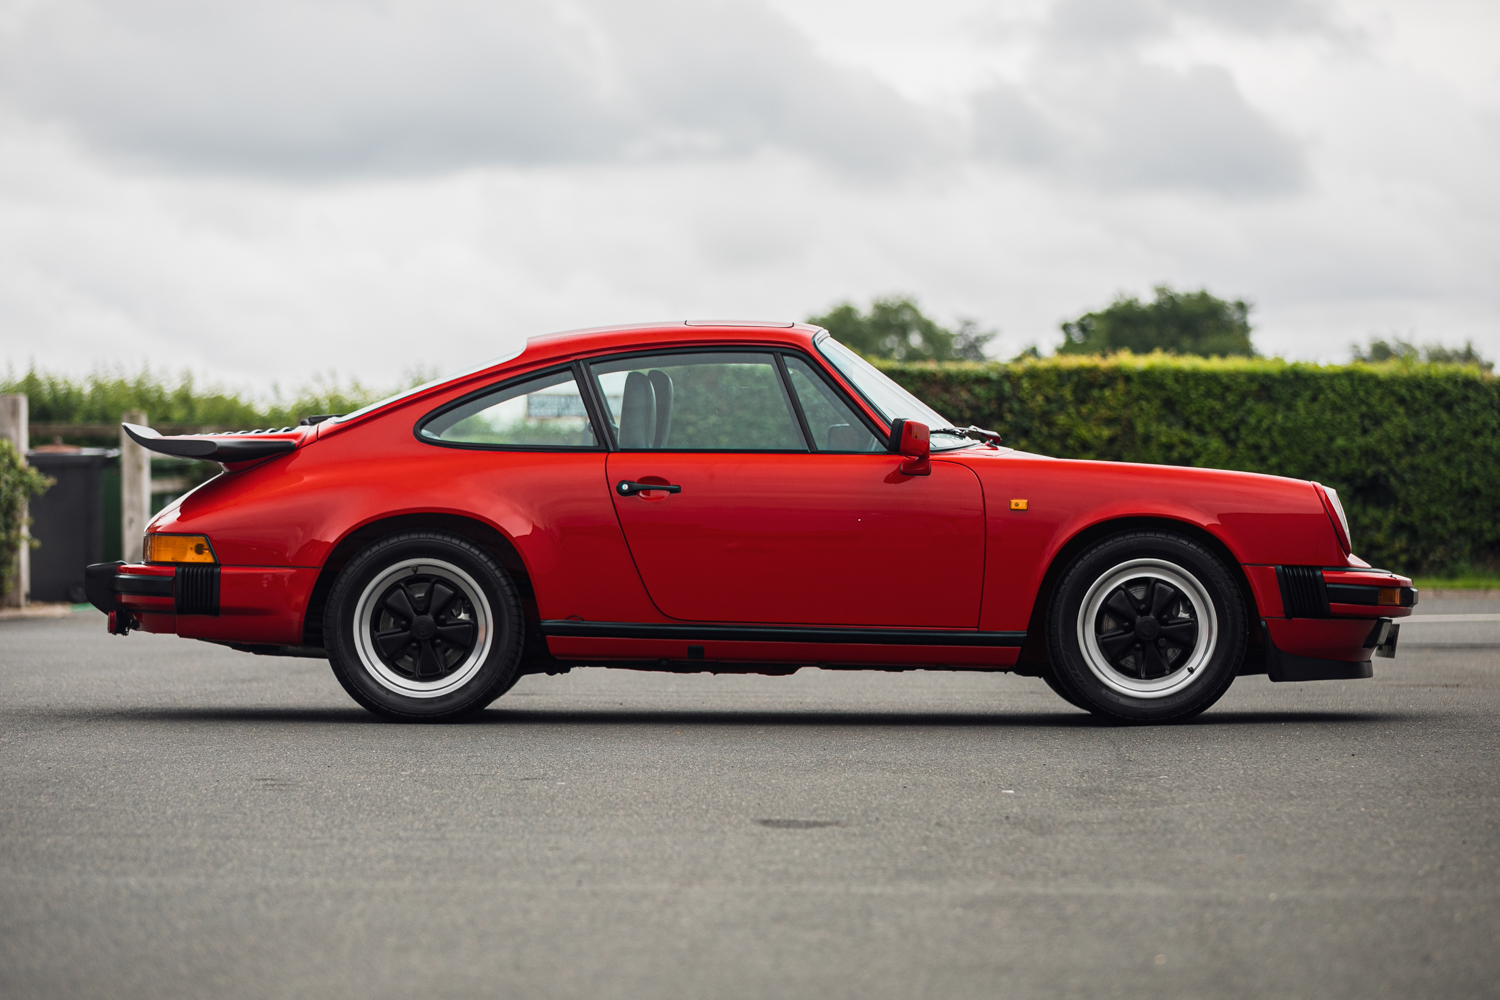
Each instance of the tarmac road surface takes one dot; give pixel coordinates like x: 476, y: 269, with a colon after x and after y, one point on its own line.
x: 177, y: 819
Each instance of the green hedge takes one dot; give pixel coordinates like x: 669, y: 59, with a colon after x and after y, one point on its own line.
x: 1413, y: 449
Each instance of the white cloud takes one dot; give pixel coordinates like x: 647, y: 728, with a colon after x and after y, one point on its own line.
x: 262, y: 193
x: 1132, y: 125
x: 347, y: 88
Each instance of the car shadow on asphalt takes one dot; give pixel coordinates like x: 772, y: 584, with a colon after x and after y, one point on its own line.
x: 1061, y: 719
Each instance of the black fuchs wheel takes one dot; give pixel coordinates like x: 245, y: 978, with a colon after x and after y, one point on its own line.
x: 1145, y: 627
x: 424, y: 626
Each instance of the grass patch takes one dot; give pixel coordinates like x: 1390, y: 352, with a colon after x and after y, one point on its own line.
x: 1475, y: 582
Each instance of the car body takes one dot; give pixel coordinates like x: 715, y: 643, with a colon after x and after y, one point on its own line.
x: 809, y: 524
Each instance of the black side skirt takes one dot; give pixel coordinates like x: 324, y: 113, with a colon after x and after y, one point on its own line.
x: 774, y: 633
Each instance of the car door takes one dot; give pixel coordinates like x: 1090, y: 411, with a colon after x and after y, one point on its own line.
x: 787, y: 508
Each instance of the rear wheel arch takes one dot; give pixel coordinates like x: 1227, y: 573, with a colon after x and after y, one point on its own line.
x: 1034, y: 651
x: 486, y: 536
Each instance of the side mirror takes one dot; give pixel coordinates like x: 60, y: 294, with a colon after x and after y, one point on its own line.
x: 912, y: 439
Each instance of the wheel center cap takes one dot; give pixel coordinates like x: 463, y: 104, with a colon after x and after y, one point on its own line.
x: 1147, y: 628
x: 424, y: 628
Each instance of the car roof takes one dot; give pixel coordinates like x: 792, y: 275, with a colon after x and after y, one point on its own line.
x: 601, y: 340
x: 570, y: 344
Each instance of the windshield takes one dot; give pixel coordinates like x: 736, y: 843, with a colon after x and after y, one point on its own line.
x: 888, y: 398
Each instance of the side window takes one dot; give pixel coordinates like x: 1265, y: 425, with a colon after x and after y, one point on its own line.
x: 699, y: 402
x: 543, y: 412
x: 833, y: 425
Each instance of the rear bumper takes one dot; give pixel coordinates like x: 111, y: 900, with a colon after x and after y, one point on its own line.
x: 247, y: 604
x: 177, y: 590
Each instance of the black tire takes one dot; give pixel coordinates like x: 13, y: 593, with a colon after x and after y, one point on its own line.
x: 1146, y: 626
x: 1061, y: 691
x: 424, y: 626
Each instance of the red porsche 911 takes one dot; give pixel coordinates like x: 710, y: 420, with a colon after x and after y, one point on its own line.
x: 736, y: 498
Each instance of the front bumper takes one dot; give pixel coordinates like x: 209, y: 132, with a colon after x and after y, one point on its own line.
x: 1325, y: 623
x: 1336, y: 646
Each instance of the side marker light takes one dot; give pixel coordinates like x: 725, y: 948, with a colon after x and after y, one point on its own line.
x: 1018, y: 505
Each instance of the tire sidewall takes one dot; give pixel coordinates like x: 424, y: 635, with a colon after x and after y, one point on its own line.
x: 1070, y: 668
x: 495, y: 674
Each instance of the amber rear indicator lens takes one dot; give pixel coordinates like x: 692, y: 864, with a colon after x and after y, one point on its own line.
x: 179, y: 549
x: 1389, y: 595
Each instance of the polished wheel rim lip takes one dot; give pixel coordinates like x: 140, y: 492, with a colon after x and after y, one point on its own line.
x: 1181, y: 676
x: 369, y: 606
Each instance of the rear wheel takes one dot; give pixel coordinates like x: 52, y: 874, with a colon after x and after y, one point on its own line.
x: 424, y: 626
x: 1146, y: 627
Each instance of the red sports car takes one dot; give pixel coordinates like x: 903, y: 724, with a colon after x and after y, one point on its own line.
x: 736, y: 498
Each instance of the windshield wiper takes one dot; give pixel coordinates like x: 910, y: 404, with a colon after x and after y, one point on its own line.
x: 972, y: 433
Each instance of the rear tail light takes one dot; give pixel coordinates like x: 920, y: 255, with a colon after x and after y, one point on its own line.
x: 178, y: 549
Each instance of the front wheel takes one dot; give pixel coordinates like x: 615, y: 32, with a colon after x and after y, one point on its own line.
x: 1146, y: 627
x: 424, y: 626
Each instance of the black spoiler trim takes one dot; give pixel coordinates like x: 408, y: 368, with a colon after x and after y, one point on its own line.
x: 209, y: 448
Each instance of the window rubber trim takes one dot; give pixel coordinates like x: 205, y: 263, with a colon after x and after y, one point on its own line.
x: 873, y: 426
x: 600, y: 443
x: 788, y: 397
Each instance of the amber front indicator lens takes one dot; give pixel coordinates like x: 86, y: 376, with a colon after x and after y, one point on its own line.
x: 179, y: 549
x: 1389, y: 595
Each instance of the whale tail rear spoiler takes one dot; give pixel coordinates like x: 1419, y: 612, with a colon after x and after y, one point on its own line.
x: 230, y: 447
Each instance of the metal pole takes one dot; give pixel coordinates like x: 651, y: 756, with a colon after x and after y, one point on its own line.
x: 14, y: 420
x: 135, y: 490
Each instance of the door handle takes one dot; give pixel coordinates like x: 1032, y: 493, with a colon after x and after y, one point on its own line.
x: 628, y: 489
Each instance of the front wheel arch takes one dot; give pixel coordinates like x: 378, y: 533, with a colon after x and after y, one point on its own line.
x: 1173, y: 630
x: 1034, y: 649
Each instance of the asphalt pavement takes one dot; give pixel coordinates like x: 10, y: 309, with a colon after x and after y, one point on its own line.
x: 180, y: 820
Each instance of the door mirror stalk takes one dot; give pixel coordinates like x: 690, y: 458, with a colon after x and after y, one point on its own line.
x: 912, y: 440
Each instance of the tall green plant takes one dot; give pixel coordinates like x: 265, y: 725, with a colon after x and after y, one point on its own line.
x: 18, y: 484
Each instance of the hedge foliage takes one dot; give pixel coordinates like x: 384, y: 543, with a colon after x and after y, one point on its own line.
x: 1413, y: 449
x: 102, y: 396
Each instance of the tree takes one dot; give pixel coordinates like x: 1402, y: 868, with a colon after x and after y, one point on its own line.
x: 1176, y: 322
x: 896, y: 328
x: 1400, y: 350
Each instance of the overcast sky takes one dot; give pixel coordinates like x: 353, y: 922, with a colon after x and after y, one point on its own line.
x: 260, y: 191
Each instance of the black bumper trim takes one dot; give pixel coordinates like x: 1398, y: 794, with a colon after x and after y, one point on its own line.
x: 194, y: 589
x: 1368, y: 594
x: 776, y: 633
x: 197, y: 591
x: 99, y: 585
x: 144, y: 586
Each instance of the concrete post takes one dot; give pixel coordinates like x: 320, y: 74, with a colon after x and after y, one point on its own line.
x: 15, y: 428
x: 135, y: 490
